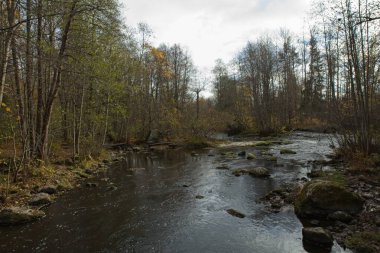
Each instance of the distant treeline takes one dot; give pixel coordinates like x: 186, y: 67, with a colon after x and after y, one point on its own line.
x: 71, y: 74
x: 327, y: 78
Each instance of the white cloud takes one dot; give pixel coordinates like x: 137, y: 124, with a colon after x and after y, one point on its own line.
x: 215, y: 28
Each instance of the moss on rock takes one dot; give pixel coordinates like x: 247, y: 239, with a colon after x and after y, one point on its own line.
x: 321, y: 198
x: 287, y: 152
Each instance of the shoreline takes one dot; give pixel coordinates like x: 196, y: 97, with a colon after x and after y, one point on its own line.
x: 361, y: 230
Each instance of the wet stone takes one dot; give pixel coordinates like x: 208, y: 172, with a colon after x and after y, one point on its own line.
x: 222, y: 167
x: 40, y: 199
x: 251, y: 156
x: 19, y: 215
x: 317, y: 236
x: 235, y: 213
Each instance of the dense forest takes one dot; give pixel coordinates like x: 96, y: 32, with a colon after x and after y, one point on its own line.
x: 72, y: 74
x: 74, y: 79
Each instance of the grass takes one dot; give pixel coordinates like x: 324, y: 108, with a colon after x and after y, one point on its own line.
x: 335, y: 177
x: 35, y: 176
x: 364, y: 242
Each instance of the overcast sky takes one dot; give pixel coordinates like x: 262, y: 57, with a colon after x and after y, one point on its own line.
x: 212, y: 29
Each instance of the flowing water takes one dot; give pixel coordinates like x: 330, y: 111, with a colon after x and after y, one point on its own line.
x: 155, y: 209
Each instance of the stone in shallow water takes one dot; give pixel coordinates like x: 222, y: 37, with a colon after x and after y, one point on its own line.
x: 251, y: 156
x: 319, y: 198
x: 255, y: 172
x: 317, y: 236
x: 287, y: 152
x: 222, y: 167
x: 18, y: 215
x: 40, y: 199
x: 235, y: 213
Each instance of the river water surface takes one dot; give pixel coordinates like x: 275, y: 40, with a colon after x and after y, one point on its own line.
x: 155, y: 209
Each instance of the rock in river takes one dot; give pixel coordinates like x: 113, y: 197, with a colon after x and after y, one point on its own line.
x: 255, y: 172
x: 287, y: 152
x: 222, y: 167
x: 317, y: 236
x: 251, y: 156
x: 18, y: 215
x: 318, y: 199
x: 235, y: 213
x: 40, y: 199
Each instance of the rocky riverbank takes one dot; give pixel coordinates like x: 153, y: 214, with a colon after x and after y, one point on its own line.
x: 24, y: 201
x: 343, y: 203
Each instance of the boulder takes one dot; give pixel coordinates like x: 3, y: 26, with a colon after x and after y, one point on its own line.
x: 49, y: 189
x: 318, y: 199
x: 255, y: 172
x: 17, y: 215
x: 317, y: 236
x: 340, y: 216
x: 40, y: 199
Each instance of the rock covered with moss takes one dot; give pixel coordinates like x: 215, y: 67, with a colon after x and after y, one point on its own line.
x: 18, y: 215
x: 40, y: 199
x: 254, y: 172
x: 318, y: 199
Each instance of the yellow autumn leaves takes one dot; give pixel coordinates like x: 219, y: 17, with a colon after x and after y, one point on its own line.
x: 158, y: 54
x: 161, y: 59
x: 7, y: 108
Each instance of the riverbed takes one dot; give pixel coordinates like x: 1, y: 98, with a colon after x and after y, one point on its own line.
x: 172, y: 200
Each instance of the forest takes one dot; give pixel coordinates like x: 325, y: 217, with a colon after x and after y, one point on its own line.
x: 75, y: 81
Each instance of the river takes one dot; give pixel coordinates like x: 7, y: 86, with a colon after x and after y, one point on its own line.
x: 154, y: 207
